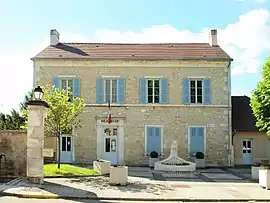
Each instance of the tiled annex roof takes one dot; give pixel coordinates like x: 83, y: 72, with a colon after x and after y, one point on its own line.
x: 197, y: 51
x: 242, y: 116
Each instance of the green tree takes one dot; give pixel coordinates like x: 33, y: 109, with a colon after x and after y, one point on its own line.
x: 63, y: 115
x: 12, y: 121
x: 27, y: 98
x: 260, y: 100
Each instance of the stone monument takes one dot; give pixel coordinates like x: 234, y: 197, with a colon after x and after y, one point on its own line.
x: 174, y: 163
x: 37, y: 110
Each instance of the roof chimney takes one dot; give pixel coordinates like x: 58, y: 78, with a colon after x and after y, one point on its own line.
x: 213, y: 38
x: 54, y: 37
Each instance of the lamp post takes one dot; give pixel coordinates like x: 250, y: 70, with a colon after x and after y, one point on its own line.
x: 36, y: 109
x: 37, y: 98
x: 38, y: 93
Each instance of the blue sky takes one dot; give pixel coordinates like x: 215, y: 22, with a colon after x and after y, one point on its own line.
x: 243, y: 25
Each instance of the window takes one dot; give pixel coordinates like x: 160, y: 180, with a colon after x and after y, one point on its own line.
x: 153, y: 90
x: 67, y: 83
x: 153, y: 139
x: 110, y: 139
x: 247, y: 146
x: 66, y: 144
x: 196, y: 91
x: 111, y: 90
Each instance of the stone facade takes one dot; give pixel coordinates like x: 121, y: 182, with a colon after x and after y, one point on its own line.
x: 174, y: 116
x: 13, y: 145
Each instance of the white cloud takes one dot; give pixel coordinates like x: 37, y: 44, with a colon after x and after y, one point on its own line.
x: 244, y: 40
x: 257, y: 1
x: 260, y: 1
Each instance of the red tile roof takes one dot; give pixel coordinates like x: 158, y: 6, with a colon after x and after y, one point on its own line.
x: 134, y: 51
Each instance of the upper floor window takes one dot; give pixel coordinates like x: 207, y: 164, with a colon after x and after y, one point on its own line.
x: 196, y: 91
x: 111, y: 90
x: 72, y: 83
x: 153, y: 90
x: 66, y: 84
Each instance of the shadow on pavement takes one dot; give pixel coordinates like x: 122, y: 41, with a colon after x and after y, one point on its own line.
x: 146, y: 187
x: 67, y: 192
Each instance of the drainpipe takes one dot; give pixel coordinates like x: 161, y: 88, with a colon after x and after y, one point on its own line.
x: 229, y: 116
x: 233, y: 133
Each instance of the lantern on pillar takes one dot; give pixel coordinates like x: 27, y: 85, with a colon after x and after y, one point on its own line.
x: 38, y: 93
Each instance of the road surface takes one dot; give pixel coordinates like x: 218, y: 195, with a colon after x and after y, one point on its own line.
x: 19, y: 200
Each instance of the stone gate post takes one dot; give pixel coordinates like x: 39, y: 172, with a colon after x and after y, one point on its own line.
x: 37, y: 111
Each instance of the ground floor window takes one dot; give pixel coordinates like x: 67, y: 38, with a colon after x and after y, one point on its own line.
x: 153, y: 139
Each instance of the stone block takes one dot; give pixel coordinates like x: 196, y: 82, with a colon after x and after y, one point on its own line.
x: 47, y: 152
x: 36, y: 180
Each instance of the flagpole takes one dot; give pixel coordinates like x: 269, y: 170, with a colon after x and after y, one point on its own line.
x: 109, y: 113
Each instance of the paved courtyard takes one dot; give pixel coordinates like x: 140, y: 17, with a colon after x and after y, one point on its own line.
x: 144, y: 183
x: 201, y: 175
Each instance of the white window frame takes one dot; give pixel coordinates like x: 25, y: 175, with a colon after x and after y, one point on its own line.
x: 153, y: 96
x: 251, y: 147
x: 196, y: 90
x: 205, y: 135
x: 161, y: 137
x: 110, y: 79
x: 66, y: 81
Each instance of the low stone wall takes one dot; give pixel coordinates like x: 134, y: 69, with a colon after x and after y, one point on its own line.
x: 13, y: 145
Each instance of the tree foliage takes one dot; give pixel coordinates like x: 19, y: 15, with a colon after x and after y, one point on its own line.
x: 62, y: 116
x: 27, y: 98
x: 260, y: 100
x: 12, y: 121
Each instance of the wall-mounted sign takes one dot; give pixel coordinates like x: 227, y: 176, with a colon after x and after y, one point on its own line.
x: 106, y: 121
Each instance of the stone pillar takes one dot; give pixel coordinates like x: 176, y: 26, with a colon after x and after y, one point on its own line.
x: 100, y: 137
x: 121, y: 143
x: 35, y: 141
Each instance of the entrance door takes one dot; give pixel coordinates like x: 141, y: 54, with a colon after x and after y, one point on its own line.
x: 247, y: 152
x: 110, y: 144
x: 66, y: 149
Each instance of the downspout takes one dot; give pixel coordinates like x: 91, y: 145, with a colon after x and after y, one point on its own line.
x: 34, y: 74
x: 229, y: 117
x: 233, y: 133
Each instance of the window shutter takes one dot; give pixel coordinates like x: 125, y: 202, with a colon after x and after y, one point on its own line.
x: 200, y: 139
x: 163, y: 94
x: 185, y: 91
x: 197, y: 139
x: 150, y: 138
x: 56, y: 82
x: 100, y: 91
x: 206, y: 91
x: 143, y: 91
x: 120, y: 90
x: 158, y: 140
x: 76, y: 87
x: 153, y: 139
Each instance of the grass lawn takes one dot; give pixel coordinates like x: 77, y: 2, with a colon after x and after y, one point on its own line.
x: 67, y: 170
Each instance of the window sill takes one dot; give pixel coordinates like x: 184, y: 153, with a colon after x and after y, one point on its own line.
x: 148, y: 155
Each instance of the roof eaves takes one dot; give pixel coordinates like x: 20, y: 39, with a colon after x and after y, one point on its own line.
x: 34, y: 57
x: 86, y: 58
